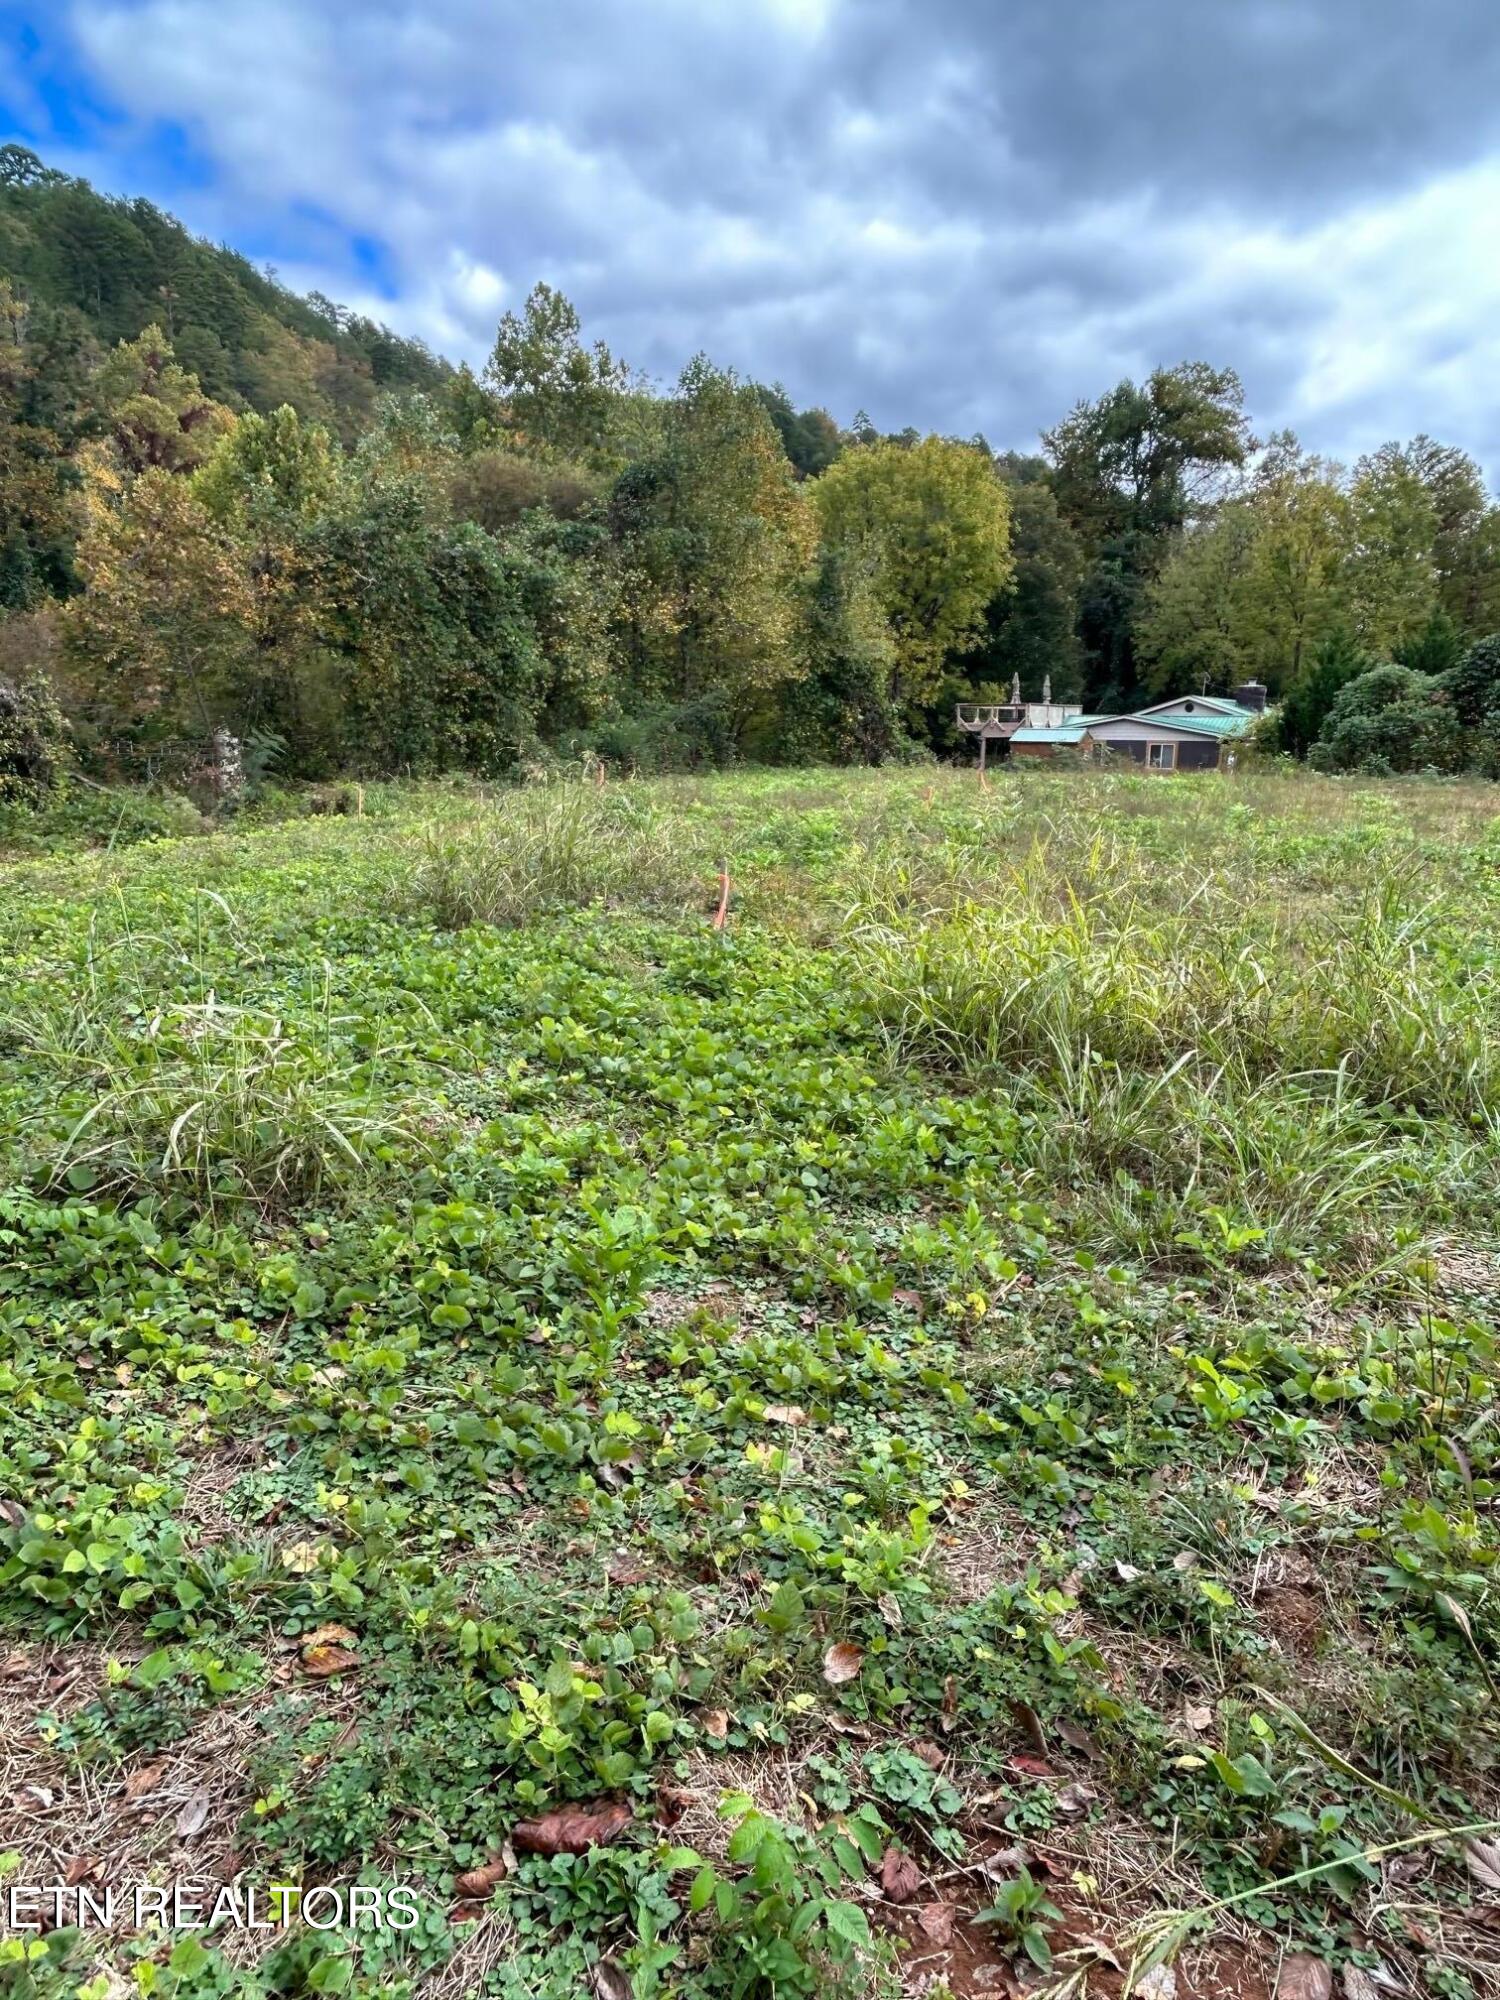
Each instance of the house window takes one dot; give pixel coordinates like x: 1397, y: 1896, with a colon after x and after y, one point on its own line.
x: 1161, y: 756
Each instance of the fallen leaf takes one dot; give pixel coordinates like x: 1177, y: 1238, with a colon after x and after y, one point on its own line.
x: 1006, y: 1862
x: 625, y: 1570
x: 1074, y: 1800
x: 842, y: 1662
x: 13, y: 1512
x: 572, y: 1829
x: 848, y: 1725
x: 889, y: 1607
x: 913, y: 1301
x: 900, y: 1877
x: 930, y: 1753
x: 82, y: 1868
x: 483, y: 1881
x: 319, y: 1662
x: 785, y: 1413
x: 1127, y: 1572
x: 1357, y: 1984
x: 146, y: 1779
x: 950, y: 1702
x: 609, y: 1981
x: 1304, y: 1977
x: 716, y: 1724
x: 1032, y: 1767
x: 1184, y: 1560
x: 1030, y: 1725
x: 1078, y: 1739
x: 329, y: 1635
x: 194, y: 1815
x: 936, y: 1922
x: 301, y: 1557
x: 672, y: 1801
x: 1197, y: 1718
x: 1483, y: 1857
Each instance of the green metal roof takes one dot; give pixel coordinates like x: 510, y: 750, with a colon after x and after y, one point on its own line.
x: 1217, y: 703
x: 1205, y: 725
x: 1067, y: 732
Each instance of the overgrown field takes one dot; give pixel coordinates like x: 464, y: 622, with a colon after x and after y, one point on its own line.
x: 955, y: 1415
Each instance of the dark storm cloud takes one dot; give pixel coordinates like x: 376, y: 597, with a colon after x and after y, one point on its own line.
x: 958, y: 215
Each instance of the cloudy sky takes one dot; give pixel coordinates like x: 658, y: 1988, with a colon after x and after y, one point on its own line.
x: 963, y: 214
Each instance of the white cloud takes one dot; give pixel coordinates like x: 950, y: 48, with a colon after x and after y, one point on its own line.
x: 958, y: 216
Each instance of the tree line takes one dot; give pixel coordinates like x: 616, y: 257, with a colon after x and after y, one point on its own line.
x: 361, y: 560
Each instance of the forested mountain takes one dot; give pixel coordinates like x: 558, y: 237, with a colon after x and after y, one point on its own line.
x: 95, y: 271
x: 230, y: 513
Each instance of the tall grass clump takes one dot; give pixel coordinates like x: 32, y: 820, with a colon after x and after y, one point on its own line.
x: 556, y: 847
x: 209, y: 1101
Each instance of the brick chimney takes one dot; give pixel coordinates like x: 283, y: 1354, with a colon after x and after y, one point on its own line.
x: 1251, y: 695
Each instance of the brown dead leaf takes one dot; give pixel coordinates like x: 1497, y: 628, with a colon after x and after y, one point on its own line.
x: 146, y: 1779
x: 1078, y: 1738
x: 716, y: 1724
x: 900, y: 1877
x: 572, y: 1829
x: 931, y: 1755
x: 82, y: 1868
x: 327, y: 1651
x: 1031, y: 1767
x: 936, y: 1922
x: 13, y: 1512
x: 610, y: 1981
x: 319, y: 1662
x: 1483, y: 1857
x: 1304, y: 1977
x: 624, y: 1570
x: 1030, y: 1725
x: 1073, y: 1801
x: 329, y: 1635
x: 194, y: 1815
x: 785, y: 1413
x: 848, y: 1725
x: 913, y: 1301
x: 950, y: 1703
x: 672, y: 1801
x: 1196, y: 1718
x: 1006, y: 1863
x: 842, y: 1662
x: 483, y: 1881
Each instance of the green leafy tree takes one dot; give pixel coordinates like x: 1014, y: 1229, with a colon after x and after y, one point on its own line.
x: 1031, y: 627
x: 155, y: 410
x: 931, y: 523
x: 1391, y: 719
x: 558, y: 394
x: 1473, y: 684
x: 1392, y: 567
x: 714, y: 536
x: 810, y: 438
x: 1129, y: 471
x: 1336, y: 660
x: 1193, y: 632
x: 837, y: 710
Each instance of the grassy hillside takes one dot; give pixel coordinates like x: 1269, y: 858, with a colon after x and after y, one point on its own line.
x: 115, y: 267
x: 952, y: 1419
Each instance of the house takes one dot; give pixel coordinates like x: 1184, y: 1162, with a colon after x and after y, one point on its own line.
x: 1187, y: 733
